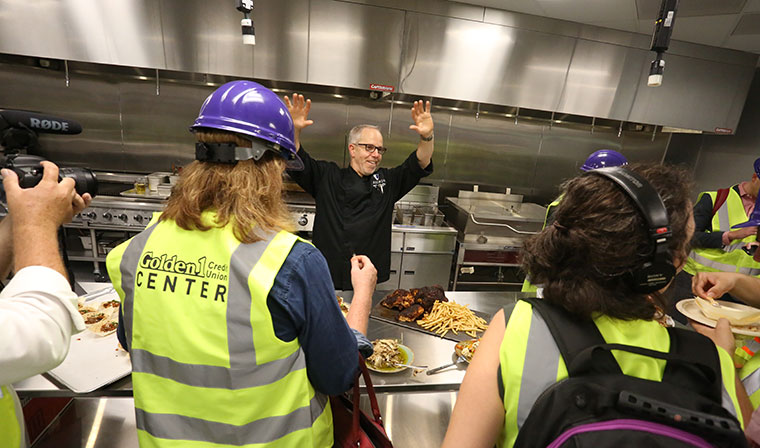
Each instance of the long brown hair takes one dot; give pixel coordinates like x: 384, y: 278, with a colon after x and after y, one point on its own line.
x: 598, y: 237
x: 248, y: 193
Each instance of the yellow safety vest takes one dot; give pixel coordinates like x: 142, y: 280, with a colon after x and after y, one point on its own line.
x: 750, y: 376
x: 731, y: 258
x: 527, y: 286
x: 207, y: 367
x: 12, y: 433
x: 544, y: 365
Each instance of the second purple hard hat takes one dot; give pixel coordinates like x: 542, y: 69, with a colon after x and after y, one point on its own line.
x: 604, y: 158
x: 754, y: 217
x: 255, y: 112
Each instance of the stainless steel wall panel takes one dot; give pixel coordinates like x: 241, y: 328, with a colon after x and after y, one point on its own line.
x: 436, y: 7
x: 491, y: 150
x: 695, y: 94
x: 156, y: 127
x: 93, y: 101
x: 354, y: 45
x: 184, y: 24
x: 602, y: 80
x: 474, y: 61
x: 326, y: 139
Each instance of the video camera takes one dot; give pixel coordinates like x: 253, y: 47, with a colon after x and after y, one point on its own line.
x: 18, y: 131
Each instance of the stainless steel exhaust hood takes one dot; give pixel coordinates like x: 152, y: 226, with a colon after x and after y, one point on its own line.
x: 428, y: 48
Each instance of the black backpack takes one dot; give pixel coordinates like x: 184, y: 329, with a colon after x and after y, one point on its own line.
x: 599, y: 406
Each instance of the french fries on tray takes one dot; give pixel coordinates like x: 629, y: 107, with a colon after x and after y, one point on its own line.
x: 451, y: 316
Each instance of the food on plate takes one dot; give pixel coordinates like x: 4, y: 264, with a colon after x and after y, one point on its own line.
x: 85, y: 309
x: 111, y: 304
x: 387, y: 354
x: 398, y: 299
x: 343, y: 305
x: 736, y: 313
x: 466, y: 349
x: 411, y: 314
x: 93, y: 318
x: 452, y: 316
x: 106, y: 327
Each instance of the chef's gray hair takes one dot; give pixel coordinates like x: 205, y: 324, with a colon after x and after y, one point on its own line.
x: 356, y: 132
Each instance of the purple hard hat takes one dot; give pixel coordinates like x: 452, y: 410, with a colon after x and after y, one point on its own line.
x: 754, y: 217
x: 604, y: 158
x: 255, y: 112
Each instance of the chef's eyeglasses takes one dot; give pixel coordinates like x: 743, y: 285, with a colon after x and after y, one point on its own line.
x: 370, y: 148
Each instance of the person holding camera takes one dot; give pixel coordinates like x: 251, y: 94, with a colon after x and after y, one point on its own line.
x: 38, y: 312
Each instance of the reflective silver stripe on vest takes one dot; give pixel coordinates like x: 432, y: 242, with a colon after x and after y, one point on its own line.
x: 218, y: 377
x: 726, y: 401
x: 752, y: 382
x: 722, y: 266
x: 128, y: 268
x: 722, y: 213
x: 735, y: 246
x: 265, y: 430
x: 539, y: 369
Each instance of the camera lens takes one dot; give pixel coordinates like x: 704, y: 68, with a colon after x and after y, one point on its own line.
x: 84, y: 180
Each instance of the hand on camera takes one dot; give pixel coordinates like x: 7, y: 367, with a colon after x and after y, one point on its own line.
x: 47, y: 205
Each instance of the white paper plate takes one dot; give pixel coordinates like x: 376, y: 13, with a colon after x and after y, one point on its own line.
x: 407, y: 357
x: 93, y: 361
x: 690, y: 309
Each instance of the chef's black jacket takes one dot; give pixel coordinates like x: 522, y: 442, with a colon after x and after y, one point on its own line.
x: 354, y: 213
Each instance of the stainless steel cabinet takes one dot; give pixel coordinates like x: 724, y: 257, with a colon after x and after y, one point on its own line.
x: 425, y: 270
x: 420, y: 256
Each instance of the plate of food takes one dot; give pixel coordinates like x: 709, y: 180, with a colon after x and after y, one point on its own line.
x: 734, y: 312
x: 389, y: 356
x: 466, y: 349
x: 343, y: 305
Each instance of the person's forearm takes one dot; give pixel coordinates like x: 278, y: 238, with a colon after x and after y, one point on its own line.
x: 6, y: 247
x: 358, y: 314
x: 37, y: 246
x: 425, y: 152
x: 747, y: 289
x: 297, y: 138
x: 745, y: 405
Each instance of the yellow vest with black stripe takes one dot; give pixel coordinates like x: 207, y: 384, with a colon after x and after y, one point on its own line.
x: 207, y: 365
x: 527, y: 286
x: 530, y: 362
x: 730, y: 258
x: 12, y: 433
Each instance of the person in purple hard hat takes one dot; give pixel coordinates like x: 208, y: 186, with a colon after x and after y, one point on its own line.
x: 235, y: 334
x: 602, y: 158
x: 355, y: 204
x: 719, y: 244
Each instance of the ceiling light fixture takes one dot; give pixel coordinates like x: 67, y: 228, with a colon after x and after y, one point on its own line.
x: 663, y: 28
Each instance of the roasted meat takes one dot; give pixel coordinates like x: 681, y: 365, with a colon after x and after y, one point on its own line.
x: 428, y: 295
x: 411, y: 314
x: 398, y: 299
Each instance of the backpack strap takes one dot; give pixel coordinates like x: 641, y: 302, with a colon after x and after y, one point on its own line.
x: 573, y: 336
x: 584, y: 349
x: 720, y: 199
x: 697, y: 351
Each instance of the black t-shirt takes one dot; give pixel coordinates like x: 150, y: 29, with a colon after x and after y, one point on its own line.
x: 354, y: 213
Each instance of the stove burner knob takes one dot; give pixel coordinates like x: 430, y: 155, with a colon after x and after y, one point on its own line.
x: 482, y: 239
x: 138, y: 218
x: 107, y: 216
x: 90, y: 215
x: 123, y: 217
x: 303, y: 220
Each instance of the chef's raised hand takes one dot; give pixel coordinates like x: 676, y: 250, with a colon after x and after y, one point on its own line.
x: 299, y: 111
x: 423, y: 120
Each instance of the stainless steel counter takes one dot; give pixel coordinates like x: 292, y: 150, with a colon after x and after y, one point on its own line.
x: 428, y: 350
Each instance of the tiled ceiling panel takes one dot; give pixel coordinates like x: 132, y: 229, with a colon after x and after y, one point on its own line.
x: 748, y: 24
x: 711, y: 30
x: 598, y: 11
x: 648, y: 9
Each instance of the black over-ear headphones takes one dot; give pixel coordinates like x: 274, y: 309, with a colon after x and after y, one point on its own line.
x: 655, y: 273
